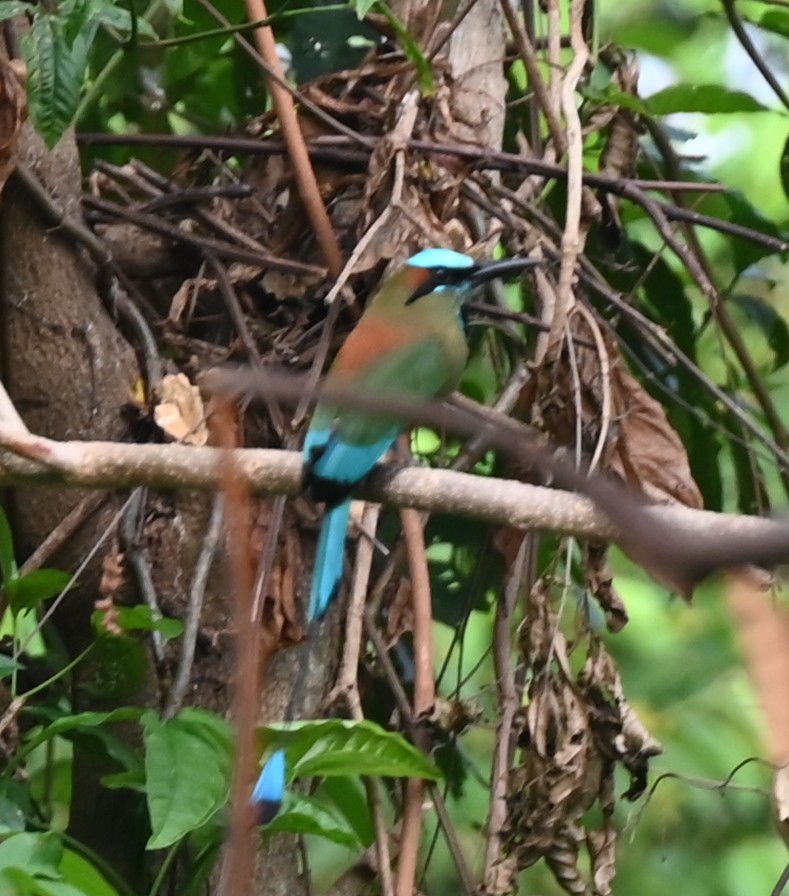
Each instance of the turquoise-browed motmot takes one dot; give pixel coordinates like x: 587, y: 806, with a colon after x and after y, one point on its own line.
x: 410, y: 343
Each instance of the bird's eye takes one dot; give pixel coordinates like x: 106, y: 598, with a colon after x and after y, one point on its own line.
x: 439, y: 274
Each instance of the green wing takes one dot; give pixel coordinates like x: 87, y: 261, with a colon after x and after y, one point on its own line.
x: 421, y: 372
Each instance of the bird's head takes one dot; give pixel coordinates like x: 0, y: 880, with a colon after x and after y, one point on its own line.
x: 437, y: 270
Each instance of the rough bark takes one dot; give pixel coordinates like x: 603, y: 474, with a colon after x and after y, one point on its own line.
x: 69, y: 372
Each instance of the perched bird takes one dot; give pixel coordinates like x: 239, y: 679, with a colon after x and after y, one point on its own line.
x: 410, y: 343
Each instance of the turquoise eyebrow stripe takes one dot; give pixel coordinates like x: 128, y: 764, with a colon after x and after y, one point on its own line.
x: 441, y: 258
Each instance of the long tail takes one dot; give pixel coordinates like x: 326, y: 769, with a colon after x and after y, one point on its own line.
x: 329, y: 559
x: 270, y: 788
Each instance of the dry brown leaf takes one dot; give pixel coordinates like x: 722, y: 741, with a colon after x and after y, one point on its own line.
x: 640, y: 445
x: 401, y: 614
x: 280, y: 611
x: 183, y: 301
x: 649, y: 454
x: 179, y: 411
x: 13, y: 112
x: 600, y: 582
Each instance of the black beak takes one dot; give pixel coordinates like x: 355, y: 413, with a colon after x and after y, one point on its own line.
x: 507, y: 268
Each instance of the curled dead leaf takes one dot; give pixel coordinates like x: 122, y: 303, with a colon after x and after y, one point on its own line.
x: 649, y: 454
x: 638, y: 442
x: 179, y: 411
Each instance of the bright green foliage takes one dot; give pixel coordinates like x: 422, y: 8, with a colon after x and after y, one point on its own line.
x: 711, y: 99
x: 343, y: 747
x: 39, y: 865
x: 188, y: 764
x: 56, y: 52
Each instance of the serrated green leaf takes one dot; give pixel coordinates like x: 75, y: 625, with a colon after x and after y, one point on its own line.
x: 307, y: 815
x: 8, y: 565
x: 56, y: 70
x: 707, y: 98
x: 343, y: 747
x: 9, y: 9
x: 188, y: 766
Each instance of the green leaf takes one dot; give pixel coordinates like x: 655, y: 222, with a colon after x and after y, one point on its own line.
x: 349, y: 797
x: 12, y: 818
x: 80, y: 873
x: 9, y: 9
x: 56, y: 52
x: 188, y: 765
x: 343, y: 747
x: 54, y: 78
x: 770, y: 322
x: 120, y: 19
x: 307, y: 815
x: 783, y: 168
x: 141, y: 618
x: 130, y: 780
x: 86, y: 723
x: 775, y: 20
x: 26, y: 884
x: 118, y: 665
x: 362, y: 7
x: 8, y: 666
x: 35, y: 587
x: 412, y: 51
x: 8, y: 565
x: 708, y: 98
x: 37, y: 853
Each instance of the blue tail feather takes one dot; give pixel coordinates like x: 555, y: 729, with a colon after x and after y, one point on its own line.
x: 329, y: 559
x: 270, y: 787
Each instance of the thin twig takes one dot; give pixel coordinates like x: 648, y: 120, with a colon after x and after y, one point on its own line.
x: 196, y: 594
x: 201, y: 244
x: 573, y: 233
x: 747, y: 44
x: 131, y: 532
x: 536, y: 81
x: 303, y: 173
x: 509, y: 703
x: 424, y: 694
x: 63, y: 531
x: 404, y: 707
x: 401, y: 133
